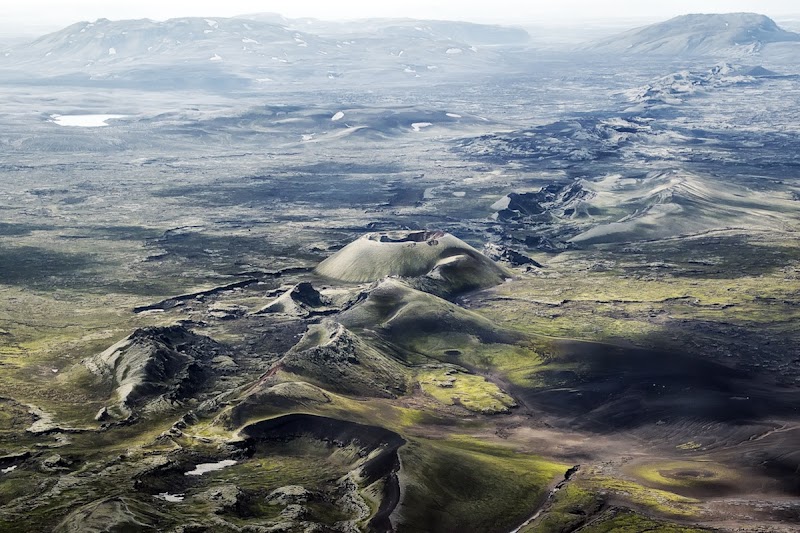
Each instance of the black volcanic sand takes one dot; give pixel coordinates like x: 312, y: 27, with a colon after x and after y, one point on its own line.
x: 619, y: 388
x: 669, y: 398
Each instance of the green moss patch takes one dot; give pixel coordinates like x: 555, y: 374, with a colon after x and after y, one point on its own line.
x: 475, y: 393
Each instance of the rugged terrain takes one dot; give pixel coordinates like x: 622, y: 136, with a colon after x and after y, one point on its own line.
x: 514, y: 292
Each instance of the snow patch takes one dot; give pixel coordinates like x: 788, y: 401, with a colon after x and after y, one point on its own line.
x: 112, y: 51
x: 84, y: 121
x: 9, y: 469
x: 204, y: 468
x: 502, y: 203
x: 172, y: 498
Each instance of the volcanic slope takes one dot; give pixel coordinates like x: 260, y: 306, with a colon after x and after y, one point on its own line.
x: 670, y: 203
x: 331, y: 356
x: 436, y: 261
x: 154, y: 368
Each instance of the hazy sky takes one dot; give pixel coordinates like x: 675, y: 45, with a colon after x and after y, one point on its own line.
x: 57, y: 13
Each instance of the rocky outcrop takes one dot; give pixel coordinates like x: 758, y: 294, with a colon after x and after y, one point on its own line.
x: 514, y: 258
x: 302, y: 300
x: 553, y: 200
x: 110, y: 515
x: 155, y: 368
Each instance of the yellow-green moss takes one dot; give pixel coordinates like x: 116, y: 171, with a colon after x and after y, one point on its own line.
x: 658, y: 500
x: 675, y: 475
x: 475, y: 393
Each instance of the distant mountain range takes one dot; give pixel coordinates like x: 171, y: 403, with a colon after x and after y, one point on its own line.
x: 265, y: 51
x: 477, y: 34
x: 698, y: 35
x: 254, y: 50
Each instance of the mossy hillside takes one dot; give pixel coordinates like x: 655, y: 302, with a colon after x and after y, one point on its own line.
x: 518, y: 363
x: 403, y: 313
x: 461, y: 484
x: 14, y: 417
x: 300, y: 397
x: 331, y: 356
x: 419, y: 327
x: 481, y: 499
x: 99, y: 465
x: 571, y: 507
x: 111, y: 514
x: 45, y: 334
x: 17, y: 484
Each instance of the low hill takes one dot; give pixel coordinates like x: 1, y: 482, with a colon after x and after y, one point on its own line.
x: 698, y: 34
x: 404, y: 316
